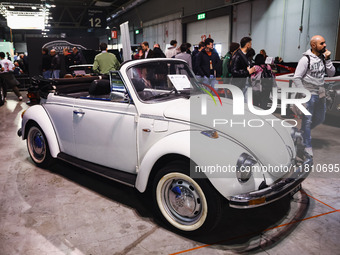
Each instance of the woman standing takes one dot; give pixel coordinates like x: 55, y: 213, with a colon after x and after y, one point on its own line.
x: 262, y: 81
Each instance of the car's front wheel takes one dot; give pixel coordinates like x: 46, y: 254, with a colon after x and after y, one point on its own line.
x: 38, y: 147
x: 190, y: 205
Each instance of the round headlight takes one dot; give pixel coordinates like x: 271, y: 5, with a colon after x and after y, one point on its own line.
x: 244, y: 167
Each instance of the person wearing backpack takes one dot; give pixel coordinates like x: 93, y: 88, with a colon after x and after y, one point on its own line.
x: 241, y: 68
x: 262, y: 81
x: 310, y: 74
x: 226, y: 66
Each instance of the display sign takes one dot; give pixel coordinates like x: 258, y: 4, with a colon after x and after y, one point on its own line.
x: 180, y: 82
x: 35, y: 44
x: 97, y: 19
x: 25, y: 22
x: 114, y: 34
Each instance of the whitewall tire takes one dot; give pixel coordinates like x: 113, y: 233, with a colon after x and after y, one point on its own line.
x: 189, y: 205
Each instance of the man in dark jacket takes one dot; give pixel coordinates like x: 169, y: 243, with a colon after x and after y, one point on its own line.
x: 147, y: 52
x: 46, y: 64
x: 207, y: 63
x: 194, y: 54
x: 68, y: 60
x: 241, y: 68
x: 55, y: 64
x: 76, y: 56
x: 157, y: 52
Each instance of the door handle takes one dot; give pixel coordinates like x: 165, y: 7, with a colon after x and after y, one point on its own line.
x: 78, y: 112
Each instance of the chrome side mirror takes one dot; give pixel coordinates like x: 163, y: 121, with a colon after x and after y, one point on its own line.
x: 119, y: 97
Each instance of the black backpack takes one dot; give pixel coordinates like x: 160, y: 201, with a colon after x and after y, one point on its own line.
x: 267, y: 78
x: 230, y: 62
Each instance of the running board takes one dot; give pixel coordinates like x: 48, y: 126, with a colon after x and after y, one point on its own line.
x: 113, y: 174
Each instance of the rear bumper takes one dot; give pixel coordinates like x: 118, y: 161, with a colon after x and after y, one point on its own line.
x: 274, y: 192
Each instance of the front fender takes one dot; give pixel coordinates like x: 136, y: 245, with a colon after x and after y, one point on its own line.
x: 206, y: 153
x: 177, y: 143
x: 38, y: 114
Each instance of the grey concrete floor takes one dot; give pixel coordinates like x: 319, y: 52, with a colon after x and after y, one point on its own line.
x: 64, y: 210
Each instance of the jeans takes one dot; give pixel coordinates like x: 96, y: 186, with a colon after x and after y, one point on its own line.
x: 55, y: 74
x: 317, y: 107
x: 209, y: 81
x: 47, y: 74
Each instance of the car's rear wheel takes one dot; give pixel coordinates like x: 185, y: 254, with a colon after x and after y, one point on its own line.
x: 189, y: 205
x: 37, y: 146
x: 2, y: 95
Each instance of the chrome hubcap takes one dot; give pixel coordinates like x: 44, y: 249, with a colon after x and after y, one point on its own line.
x: 181, y: 201
x: 37, y: 145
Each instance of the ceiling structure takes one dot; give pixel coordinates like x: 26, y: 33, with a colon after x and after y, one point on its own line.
x: 68, y: 14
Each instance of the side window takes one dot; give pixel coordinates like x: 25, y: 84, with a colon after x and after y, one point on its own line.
x: 106, y: 89
x: 337, y: 69
x: 118, y: 91
x: 116, y: 83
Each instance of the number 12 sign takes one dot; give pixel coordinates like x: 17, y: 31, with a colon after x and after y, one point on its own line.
x: 96, y: 19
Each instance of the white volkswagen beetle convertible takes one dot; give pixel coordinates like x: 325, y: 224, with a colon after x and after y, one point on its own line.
x: 145, y: 128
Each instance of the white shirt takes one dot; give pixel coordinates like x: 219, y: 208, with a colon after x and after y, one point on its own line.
x: 146, y: 53
x: 7, y: 65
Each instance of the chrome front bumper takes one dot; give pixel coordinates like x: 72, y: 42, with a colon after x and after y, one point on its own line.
x: 274, y: 192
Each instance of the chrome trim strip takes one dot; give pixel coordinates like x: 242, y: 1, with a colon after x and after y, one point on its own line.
x: 95, y: 172
x: 149, y: 116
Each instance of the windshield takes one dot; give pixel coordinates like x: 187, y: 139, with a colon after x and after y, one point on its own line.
x: 163, y: 80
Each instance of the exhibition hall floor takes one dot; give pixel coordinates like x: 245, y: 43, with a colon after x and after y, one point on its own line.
x: 66, y: 210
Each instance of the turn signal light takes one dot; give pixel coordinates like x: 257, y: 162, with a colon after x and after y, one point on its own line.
x: 210, y: 133
x: 257, y: 201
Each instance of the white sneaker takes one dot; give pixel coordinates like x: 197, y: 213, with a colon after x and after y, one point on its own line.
x: 309, y: 151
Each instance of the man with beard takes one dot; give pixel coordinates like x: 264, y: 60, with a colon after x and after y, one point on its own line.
x: 241, y: 67
x: 207, y: 63
x: 309, y: 74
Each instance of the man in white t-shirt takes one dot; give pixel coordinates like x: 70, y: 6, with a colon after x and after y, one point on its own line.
x: 7, y: 76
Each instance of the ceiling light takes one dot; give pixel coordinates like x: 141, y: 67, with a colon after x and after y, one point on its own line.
x: 34, y: 8
x: 11, y: 7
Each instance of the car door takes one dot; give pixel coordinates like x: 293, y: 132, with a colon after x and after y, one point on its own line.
x: 60, y: 111
x: 105, y: 133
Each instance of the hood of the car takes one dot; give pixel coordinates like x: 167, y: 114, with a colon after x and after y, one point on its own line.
x: 264, y: 136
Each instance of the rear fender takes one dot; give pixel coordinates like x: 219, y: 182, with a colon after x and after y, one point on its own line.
x: 37, y: 114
